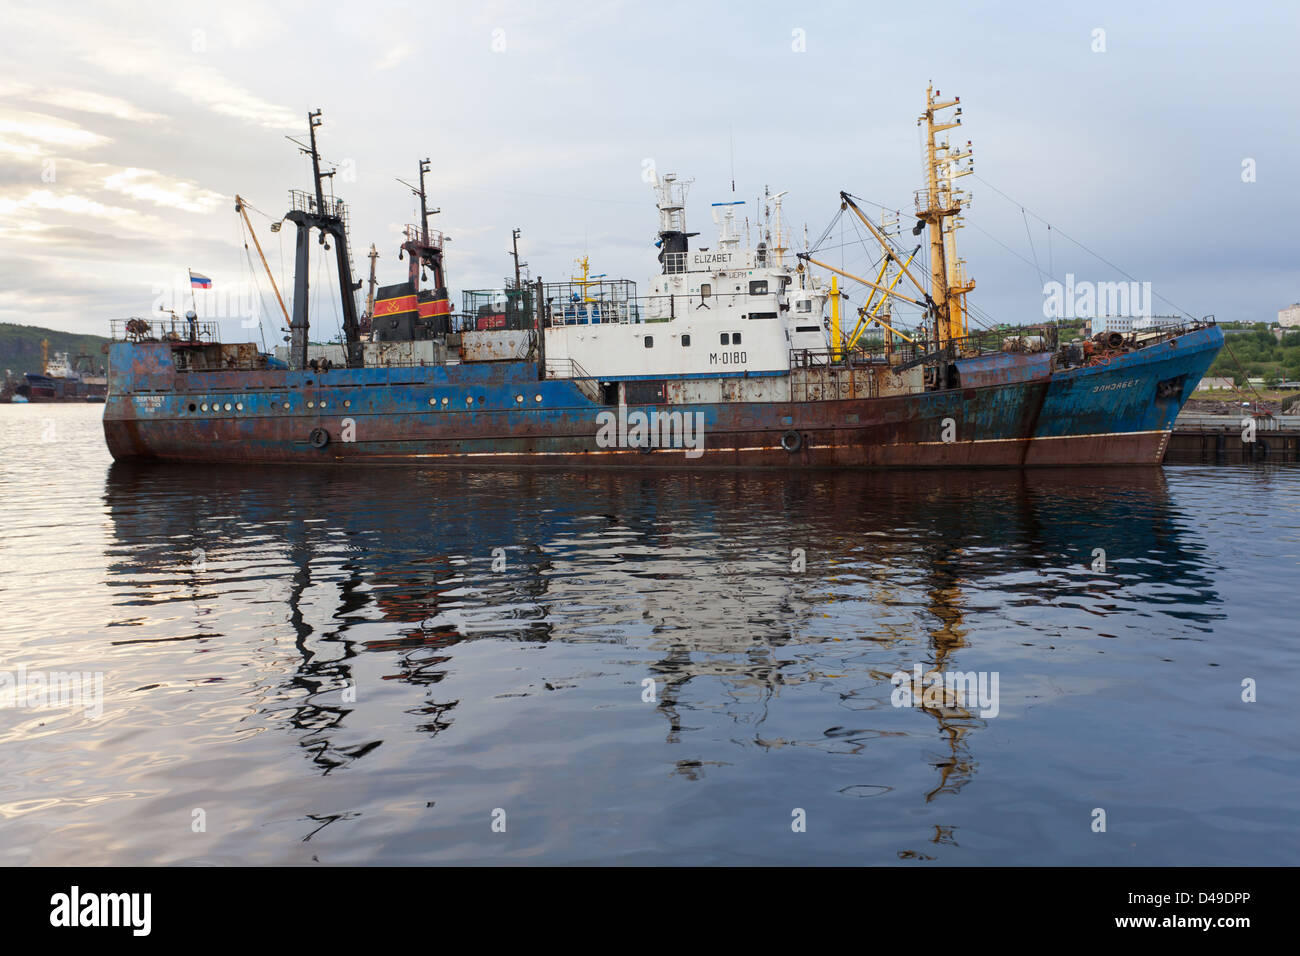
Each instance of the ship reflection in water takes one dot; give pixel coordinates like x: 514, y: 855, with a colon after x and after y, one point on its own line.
x: 447, y: 645
x: 391, y: 665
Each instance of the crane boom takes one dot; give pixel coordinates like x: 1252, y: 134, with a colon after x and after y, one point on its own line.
x: 239, y: 208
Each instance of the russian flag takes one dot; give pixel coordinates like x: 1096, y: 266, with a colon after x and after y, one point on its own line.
x: 199, y: 282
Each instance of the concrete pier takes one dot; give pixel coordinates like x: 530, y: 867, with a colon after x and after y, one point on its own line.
x: 1221, y: 438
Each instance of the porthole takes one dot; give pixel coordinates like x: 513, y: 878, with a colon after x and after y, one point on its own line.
x: 433, y: 401
x: 518, y: 398
x: 320, y: 404
x: 482, y: 400
x: 445, y: 400
x: 311, y: 404
x: 227, y: 406
x: 469, y: 399
x: 537, y: 398
x: 193, y: 407
x: 239, y: 406
x: 347, y: 403
x: 204, y: 406
x: 286, y: 406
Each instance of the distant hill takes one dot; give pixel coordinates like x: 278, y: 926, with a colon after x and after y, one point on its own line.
x: 20, y: 347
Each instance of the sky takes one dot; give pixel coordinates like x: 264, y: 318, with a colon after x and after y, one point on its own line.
x: 1159, y: 141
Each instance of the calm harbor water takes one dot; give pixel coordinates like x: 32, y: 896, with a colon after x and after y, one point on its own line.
x: 333, y: 666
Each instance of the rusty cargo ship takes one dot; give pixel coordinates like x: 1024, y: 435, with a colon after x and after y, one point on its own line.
x: 739, y: 355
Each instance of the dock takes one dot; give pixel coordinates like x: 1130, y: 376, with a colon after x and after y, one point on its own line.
x: 1221, y: 439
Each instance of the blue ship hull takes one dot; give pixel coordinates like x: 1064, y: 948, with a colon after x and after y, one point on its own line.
x: 1008, y: 410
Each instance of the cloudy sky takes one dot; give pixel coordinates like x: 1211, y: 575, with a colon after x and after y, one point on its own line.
x: 1166, y: 142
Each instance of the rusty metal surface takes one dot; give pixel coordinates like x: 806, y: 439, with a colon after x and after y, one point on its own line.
x: 499, y: 413
x: 1004, y: 368
x: 497, y: 345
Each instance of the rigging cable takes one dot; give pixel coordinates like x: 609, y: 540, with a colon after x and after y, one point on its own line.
x: 1096, y: 255
x: 252, y: 277
x: 1032, y: 251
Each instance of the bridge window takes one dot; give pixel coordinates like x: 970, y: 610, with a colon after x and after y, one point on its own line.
x: 803, y: 305
x: 758, y: 287
x: 725, y: 338
x: 706, y: 290
x: 649, y: 341
x: 686, y: 340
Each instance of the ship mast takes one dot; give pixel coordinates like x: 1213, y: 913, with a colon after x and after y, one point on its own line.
x: 421, y: 248
x: 778, y: 246
x: 674, y: 240
x: 936, y: 204
x: 369, y: 317
x: 330, y: 217
x: 514, y: 251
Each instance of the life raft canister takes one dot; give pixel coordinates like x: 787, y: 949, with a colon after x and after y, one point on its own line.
x: 792, y: 441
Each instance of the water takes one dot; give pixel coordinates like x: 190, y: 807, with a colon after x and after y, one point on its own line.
x: 323, y: 665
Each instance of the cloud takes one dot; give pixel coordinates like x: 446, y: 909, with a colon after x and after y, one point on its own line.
x: 47, y: 200
x: 151, y: 186
x: 188, y: 75
x: 394, y: 56
x: 207, y: 87
x: 33, y: 134
x: 81, y: 101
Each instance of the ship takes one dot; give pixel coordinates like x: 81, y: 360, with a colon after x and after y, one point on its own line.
x: 740, y: 354
x: 61, y: 379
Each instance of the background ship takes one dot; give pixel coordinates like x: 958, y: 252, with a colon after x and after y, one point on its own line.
x: 60, y: 380
x: 730, y: 360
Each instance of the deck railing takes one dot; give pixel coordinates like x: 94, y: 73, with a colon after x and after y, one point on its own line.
x: 170, y: 329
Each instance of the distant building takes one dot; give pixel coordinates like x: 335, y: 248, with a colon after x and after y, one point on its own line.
x: 1111, y: 323
x: 1128, y: 323
x: 1289, y: 318
x: 1214, y: 383
x: 1148, y: 322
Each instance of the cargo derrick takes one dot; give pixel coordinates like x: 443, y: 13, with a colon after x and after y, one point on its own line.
x: 309, y: 212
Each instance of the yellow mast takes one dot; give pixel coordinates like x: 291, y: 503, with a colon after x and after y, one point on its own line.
x: 585, y: 281
x: 835, y: 319
x: 935, y: 204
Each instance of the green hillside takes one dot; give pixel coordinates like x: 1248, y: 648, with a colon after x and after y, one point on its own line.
x: 20, y: 347
x: 1260, y: 354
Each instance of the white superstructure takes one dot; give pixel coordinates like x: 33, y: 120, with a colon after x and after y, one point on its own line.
x: 724, y: 309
